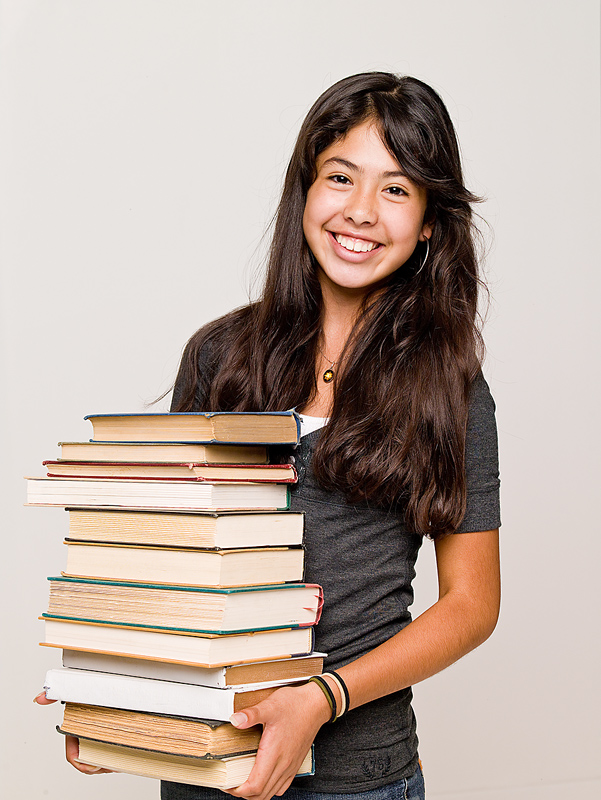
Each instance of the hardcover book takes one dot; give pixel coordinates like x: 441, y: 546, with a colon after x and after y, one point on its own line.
x: 155, y: 696
x: 283, y: 670
x: 186, y: 608
x: 228, y: 427
x: 181, y: 648
x: 221, y: 774
x: 193, y: 471
x: 168, y: 452
x: 184, y: 736
x: 168, y: 565
x: 182, y: 495
x: 186, y: 528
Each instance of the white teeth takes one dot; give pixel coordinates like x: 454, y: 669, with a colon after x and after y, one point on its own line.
x: 355, y: 245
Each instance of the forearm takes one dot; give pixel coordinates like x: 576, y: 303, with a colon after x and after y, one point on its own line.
x: 435, y: 640
x: 463, y: 617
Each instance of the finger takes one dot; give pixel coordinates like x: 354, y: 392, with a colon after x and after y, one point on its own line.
x: 42, y: 700
x: 285, y: 784
x: 72, y: 754
x: 268, y: 773
x: 239, y: 719
x: 287, y: 772
x: 253, y: 715
x: 282, y: 787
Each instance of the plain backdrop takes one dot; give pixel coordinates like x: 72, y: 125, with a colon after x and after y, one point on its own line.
x: 142, y: 148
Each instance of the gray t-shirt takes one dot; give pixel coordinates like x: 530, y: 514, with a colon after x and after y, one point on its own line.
x: 364, y: 558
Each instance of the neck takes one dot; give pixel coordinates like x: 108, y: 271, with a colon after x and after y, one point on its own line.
x: 340, y: 311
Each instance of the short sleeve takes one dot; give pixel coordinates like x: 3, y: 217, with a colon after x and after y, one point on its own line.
x: 481, y: 463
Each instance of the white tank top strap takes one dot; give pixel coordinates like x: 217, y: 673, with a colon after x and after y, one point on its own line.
x: 310, y: 424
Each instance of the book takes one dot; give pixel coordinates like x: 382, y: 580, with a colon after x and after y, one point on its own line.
x: 186, y: 529
x: 208, y: 427
x: 225, y: 773
x: 196, y: 471
x: 166, y: 452
x: 186, y: 608
x: 157, y: 494
x: 182, y: 736
x: 183, y: 648
x: 150, y: 694
x: 167, y: 565
x: 283, y: 670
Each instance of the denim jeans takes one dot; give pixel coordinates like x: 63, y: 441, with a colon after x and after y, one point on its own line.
x: 406, y: 789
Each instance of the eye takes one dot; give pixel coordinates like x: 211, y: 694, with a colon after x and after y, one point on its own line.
x: 396, y: 191
x: 340, y: 179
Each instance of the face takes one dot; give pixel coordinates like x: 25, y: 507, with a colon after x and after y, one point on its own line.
x: 363, y: 217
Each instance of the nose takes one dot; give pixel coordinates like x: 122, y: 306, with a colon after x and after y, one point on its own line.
x: 360, y: 207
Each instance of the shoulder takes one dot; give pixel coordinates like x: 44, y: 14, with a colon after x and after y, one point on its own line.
x: 205, y: 352
x: 481, y: 406
x: 220, y: 332
x: 481, y: 423
x: 481, y: 461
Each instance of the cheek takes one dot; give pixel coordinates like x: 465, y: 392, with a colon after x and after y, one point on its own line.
x: 320, y: 206
x: 313, y: 220
x: 307, y: 226
x: 407, y: 229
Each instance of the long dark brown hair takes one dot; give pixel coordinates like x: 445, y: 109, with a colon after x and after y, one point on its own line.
x: 396, y: 436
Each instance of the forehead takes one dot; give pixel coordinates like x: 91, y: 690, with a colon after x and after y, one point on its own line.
x: 363, y: 147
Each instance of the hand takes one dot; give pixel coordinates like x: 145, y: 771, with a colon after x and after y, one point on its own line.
x: 71, y: 744
x: 290, y: 717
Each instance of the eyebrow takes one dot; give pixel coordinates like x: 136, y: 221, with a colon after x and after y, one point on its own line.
x: 351, y: 166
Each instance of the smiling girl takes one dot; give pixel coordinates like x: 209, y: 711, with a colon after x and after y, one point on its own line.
x: 367, y: 326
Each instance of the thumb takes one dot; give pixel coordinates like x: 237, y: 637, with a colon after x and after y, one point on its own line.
x: 247, y: 718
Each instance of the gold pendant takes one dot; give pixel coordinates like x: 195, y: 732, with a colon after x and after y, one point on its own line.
x: 328, y: 376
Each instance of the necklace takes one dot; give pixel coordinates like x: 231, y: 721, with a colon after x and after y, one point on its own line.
x: 328, y: 375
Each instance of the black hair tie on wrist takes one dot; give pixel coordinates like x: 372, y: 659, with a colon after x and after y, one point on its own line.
x: 323, y: 685
x: 346, y: 701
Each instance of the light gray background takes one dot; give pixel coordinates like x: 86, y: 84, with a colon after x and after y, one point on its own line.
x: 142, y: 148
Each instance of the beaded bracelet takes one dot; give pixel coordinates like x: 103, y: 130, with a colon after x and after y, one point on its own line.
x: 323, y: 685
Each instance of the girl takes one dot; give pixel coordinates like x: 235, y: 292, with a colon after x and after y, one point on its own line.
x: 367, y: 326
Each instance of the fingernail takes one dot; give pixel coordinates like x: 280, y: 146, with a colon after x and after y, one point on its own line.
x: 41, y: 694
x: 238, y: 719
x: 94, y: 769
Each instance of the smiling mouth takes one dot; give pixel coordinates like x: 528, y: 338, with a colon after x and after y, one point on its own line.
x: 354, y: 245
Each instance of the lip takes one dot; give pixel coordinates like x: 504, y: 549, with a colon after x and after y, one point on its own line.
x: 350, y: 255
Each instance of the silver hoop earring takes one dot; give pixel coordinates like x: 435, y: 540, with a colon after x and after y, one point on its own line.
x: 425, y: 258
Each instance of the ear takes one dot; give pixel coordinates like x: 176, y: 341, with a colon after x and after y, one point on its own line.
x: 425, y: 232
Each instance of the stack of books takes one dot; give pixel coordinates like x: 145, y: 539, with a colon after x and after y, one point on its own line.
x: 182, y: 600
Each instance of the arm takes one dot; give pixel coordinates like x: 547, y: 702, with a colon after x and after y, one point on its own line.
x: 462, y: 618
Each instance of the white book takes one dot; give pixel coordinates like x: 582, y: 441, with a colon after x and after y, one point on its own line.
x: 181, y: 495
x: 154, y: 696
x: 277, y: 671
